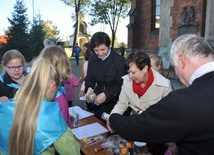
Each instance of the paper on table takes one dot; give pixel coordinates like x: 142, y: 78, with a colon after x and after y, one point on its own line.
x: 82, y: 113
x: 83, y: 98
x: 89, y: 130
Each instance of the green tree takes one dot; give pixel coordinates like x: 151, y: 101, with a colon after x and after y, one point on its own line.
x: 17, y: 34
x: 51, y: 30
x: 37, y: 35
x: 109, y: 12
x: 80, y: 8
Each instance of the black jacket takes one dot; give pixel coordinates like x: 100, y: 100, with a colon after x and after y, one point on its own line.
x: 184, y: 116
x: 6, y: 90
x: 105, y: 76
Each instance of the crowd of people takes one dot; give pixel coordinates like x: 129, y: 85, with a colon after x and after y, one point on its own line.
x: 131, y: 91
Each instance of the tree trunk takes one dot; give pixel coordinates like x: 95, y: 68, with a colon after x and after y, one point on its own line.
x: 113, y: 39
x: 77, y: 11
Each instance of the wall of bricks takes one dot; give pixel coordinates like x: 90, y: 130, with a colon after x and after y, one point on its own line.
x: 140, y: 37
x: 176, y: 12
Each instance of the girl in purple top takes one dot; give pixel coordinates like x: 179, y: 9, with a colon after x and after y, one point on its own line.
x: 59, y: 58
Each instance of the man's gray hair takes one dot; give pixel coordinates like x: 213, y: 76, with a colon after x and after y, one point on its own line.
x: 190, y: 45
x: 49, y: 41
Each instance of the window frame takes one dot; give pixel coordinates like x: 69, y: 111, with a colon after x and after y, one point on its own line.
x: 154, y: 30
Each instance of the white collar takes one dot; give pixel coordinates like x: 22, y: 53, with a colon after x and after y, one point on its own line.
x: 204, y: 69
x: 109, y: 51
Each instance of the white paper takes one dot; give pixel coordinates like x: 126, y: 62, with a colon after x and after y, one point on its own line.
x: 89, y: 130
x: 83, y: 98
x: 82, y: 113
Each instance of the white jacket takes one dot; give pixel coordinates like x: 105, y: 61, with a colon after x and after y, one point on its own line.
x: 159, y: 89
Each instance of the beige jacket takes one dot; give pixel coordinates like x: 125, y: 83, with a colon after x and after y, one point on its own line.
x: 159, y: 88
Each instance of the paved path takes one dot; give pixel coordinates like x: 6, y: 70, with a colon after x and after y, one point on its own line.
x: 76, y: 72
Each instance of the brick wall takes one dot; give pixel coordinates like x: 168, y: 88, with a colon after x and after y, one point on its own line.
x: 139, y: 36
x: 176, y: 12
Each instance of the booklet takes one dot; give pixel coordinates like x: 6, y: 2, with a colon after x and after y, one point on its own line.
x: 82, y: 113
x: 89, y: 130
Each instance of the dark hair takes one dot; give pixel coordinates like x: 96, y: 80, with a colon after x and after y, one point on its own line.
x: 141, y: 59
x: 98, y: 39
x: 86, y: 45
x: 88, y: 51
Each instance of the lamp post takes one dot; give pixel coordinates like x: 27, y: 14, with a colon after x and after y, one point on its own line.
x: 33, y: 8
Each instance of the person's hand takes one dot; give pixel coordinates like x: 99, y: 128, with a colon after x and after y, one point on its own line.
x: 90, y: 95
x: 4, y: 99
x: 89, y: 91
x: 100, y: 98
x: 81, y: 94
x: 81, y: 80
x: 109, y: 126
x: 105, y: 117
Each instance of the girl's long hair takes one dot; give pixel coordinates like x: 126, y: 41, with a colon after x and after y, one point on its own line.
x: 59, y: 58
x: 28, y: 102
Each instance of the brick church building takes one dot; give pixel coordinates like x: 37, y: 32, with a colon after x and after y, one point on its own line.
x: 155, y: 24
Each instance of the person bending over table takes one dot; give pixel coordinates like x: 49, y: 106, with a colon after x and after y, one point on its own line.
x: 141, y: 88
x: 59, y: 58
x: 184, y: 116
x: 105, y: 69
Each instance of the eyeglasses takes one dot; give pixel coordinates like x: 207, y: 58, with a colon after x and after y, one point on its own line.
x: 14, y: 68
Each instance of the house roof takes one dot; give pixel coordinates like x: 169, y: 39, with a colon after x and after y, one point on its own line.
x: 3, y: 39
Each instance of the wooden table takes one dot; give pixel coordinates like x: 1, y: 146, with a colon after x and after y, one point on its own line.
x: 89, y: 150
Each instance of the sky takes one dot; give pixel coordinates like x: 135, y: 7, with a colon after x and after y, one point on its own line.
x: 60, y: 14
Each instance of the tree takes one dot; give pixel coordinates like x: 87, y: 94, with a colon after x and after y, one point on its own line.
x: 37, y: 35
x: 79, y: 6
x: 109, y: 12
x: 51, y: 30
x: 17, y: 34
x: 29, y: 41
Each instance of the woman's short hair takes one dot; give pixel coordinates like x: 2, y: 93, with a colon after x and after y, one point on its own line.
x: 141, y: 59
x: 98, y: 39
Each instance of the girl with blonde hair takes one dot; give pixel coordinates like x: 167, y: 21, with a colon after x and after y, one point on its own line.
x: 37, y: 126
x: 156, y: 63
x: 13, y: 63
x: 59, y: 58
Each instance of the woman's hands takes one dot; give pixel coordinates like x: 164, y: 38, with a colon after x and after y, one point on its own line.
x: 100, y: 98
x: 81, y: 94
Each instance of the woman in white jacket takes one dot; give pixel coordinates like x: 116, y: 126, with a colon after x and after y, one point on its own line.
x: 142, y: 87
